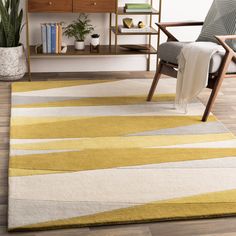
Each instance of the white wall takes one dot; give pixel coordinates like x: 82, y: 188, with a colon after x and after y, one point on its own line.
x: 173, y: 10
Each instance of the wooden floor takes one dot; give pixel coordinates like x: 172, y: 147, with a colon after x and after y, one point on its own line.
x: 225, y: 110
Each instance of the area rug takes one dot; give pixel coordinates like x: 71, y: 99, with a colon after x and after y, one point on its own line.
x: 94, y: 152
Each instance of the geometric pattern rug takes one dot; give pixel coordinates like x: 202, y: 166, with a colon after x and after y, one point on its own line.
x: 94, y: 152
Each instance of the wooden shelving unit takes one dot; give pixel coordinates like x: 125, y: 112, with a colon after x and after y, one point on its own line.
x: 94, y: 6
x: 120, y: 12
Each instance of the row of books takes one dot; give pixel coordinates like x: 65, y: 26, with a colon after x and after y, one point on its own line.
x: 138, y: 7
x: 51, y: 37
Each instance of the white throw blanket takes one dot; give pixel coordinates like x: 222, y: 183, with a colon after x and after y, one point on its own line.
x: 194, y: 63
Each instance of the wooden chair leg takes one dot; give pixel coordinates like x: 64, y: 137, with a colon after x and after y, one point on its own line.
x: 217, y: 86
x: 211, y: 100
x: 154, y: 83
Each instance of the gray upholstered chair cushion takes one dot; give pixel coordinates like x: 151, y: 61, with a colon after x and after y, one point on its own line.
x: 170, y: 51
x: 221, y: 20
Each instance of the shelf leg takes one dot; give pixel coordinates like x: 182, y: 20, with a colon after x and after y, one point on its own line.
x: 159, y: 32
x: 148, y: 62
x: 110, y: 24
x: 116, y: 34
x: 149, y: 55
x: 28, y: 43
x: 159, y: 20
x: 149, y: 41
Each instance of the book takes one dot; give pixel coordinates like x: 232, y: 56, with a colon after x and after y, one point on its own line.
x: 51, y: 34
x: 138, y: 10
x: 53, y: 38
x: 44, y: 37
x: 146, y: 29
x: 59, y: 37
x: 49, y: 49
x: 138, y: 6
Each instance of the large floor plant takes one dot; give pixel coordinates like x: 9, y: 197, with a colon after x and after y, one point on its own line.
x: 12, y: 59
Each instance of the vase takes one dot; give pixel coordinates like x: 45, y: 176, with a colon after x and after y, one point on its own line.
x: 95, y: 41
x: 79, y: 45
x: 12, y: 63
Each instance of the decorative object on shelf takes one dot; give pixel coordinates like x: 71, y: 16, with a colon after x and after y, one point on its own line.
x: 138, y: 7
x: 95, y: 43
x: 12, y: 57
x: 128, y: 27
x: 141, y: 24
x: 79, y: 29
x: 63, y: 48
x: 128, y: 23
x: 38, y: 48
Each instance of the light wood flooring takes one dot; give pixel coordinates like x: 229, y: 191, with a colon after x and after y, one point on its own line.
x: 225, y: 110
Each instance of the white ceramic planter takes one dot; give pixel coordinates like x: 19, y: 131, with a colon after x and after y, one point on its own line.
x: 95, y: 41
x: 79, y: 45
x: 12, y: 63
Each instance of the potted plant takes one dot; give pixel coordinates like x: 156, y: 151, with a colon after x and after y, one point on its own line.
x: 79, y: 29
x: 12, y: 58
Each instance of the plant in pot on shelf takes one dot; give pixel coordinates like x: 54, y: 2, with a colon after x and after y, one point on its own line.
x: 79, y: 29
x: 12, y: 57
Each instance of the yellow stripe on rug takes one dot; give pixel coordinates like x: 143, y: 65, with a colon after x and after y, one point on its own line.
x: 94, y: 159
x: 34, y: 86
x: 123, y: 142
x: 101, y: 101
x: 100, y: 126
x: 200, y: 206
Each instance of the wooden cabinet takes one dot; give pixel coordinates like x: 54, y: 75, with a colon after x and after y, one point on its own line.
x: 50, y: 5
x: 87, y: 6
x: 94, y: 6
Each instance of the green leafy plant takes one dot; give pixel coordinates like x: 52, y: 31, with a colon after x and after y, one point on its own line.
x: 10, y: 23
x: 79, y: 28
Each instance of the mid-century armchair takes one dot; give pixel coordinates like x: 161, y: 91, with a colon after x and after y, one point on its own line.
x: 221, y: 65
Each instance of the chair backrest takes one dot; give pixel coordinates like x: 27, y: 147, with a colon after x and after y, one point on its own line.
x: 220, y: 20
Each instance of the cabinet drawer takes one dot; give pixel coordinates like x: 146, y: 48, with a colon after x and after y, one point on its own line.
x: 90, y: 6
x: 50, y: 5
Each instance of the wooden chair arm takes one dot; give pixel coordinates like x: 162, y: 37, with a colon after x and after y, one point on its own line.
x: 222, y: 40
x: 170, y: 36
x: 177, y: 24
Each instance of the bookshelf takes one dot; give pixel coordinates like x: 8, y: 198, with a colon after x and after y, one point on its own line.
x: 110, y: 7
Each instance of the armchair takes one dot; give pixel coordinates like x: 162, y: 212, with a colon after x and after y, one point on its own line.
x: 221, y: 65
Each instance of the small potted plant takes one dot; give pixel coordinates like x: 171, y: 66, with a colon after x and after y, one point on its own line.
x: 12, y: 57
x: 79, y: 29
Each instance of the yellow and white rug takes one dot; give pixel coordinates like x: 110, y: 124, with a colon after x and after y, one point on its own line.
x: 92, y: 152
